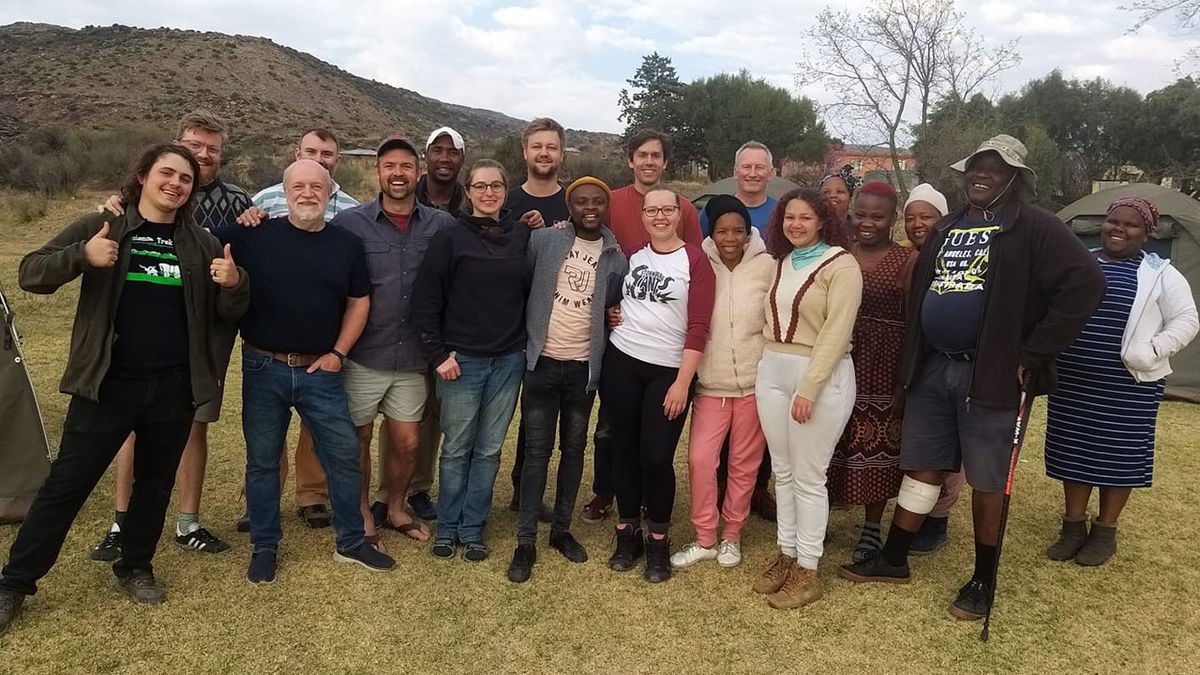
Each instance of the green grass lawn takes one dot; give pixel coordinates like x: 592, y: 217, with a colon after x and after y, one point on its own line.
x: 1136, y: 614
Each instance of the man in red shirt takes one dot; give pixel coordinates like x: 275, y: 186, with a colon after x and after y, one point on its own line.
x: 648, y: 152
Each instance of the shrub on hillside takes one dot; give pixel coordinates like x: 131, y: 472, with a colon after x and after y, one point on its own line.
x: 57, y: 160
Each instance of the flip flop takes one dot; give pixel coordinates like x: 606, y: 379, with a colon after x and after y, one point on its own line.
x: 408, y: 528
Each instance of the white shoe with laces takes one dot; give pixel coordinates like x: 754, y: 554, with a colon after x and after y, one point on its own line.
x: 691, y: 554
x: 729, y: 553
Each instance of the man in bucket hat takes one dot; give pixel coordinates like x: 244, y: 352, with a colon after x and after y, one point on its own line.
x: 1000, y: 288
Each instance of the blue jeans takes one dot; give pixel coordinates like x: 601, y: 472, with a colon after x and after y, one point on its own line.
x: 270, y: 389
x: 476, y: 411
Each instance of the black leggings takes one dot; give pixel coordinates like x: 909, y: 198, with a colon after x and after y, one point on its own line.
x: 643, y: 439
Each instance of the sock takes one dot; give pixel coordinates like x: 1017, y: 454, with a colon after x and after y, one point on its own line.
x: 658, y: 530
x: 187, y: 523
x: 985, y: 562
x: 118, y: 521
x: 895, y: 549
x: 869, y: 542
x: 634, y: 523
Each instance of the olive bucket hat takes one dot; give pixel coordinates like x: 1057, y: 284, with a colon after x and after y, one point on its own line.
x: 1013, y: 153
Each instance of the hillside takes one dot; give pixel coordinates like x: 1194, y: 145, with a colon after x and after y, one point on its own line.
x: 98, y: 77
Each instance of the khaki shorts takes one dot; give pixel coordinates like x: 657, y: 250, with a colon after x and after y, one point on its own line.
x: 222, y: 345
x: 398, y: 395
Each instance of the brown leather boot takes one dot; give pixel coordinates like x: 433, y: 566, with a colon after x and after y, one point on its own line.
x: 1101, y: 545
x: 801, y: 588
x: 1070, y: 539
x: 773, y: 577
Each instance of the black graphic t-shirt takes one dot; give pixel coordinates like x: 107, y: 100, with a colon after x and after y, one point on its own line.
x: 553, y: 208
x: 952, y: 313
x: 151, y: 321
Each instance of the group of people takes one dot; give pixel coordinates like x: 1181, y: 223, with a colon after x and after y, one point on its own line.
x: 798, y: 333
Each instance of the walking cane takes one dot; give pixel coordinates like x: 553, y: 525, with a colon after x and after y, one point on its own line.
x: 1023, y: 407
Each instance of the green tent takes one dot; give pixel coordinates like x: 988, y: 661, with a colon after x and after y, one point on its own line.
x: 776, y: 188
x: 1177, y: 238
x: 24, y: 450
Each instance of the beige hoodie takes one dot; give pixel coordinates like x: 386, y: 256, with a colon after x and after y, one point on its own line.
x: 729, y: 365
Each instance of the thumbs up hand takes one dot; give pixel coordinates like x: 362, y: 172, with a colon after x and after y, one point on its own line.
x: 224, y: 272
x: 100, y: 251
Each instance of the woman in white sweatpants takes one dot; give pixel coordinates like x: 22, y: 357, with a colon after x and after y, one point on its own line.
x: 805, y: 388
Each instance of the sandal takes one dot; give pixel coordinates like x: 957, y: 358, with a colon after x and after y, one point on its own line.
x: 443, y: 547
x: 407, y: 530
x: 373, y: 541
x: 475, y: 552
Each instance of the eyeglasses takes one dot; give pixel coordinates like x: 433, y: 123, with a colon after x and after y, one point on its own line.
x: 484, y: 187
x: 196, y: 146
x: 653, y: 211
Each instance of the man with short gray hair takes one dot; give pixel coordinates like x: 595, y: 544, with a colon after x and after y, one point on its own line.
x: 753, y: 168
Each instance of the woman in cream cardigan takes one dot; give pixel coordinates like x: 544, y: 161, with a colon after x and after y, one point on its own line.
x: 805, y: 384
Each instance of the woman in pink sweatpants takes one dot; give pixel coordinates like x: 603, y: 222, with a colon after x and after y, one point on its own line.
x: 725, y: 405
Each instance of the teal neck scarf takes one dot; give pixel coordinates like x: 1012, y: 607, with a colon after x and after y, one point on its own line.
x: 808, y: 255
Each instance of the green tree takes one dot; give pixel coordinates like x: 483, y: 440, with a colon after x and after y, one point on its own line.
x: 726, y: 110
x: 1168, y: 139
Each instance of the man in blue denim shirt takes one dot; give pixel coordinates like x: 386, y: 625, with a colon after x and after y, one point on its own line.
x: 304, y: 317
x: 386, y: 372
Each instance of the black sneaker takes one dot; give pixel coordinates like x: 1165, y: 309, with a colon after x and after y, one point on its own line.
x: 10, y: 607
x: 630, y: 546
x: 368, y: 557
x: 875, y: 568
x: 475, y: 551
x: 262, y: 568
x: 108, y: 550
x: 142, y: 587
x: 658, y: 559
x: 930, y: 537
x: 443, y: 547
x: 316, y: 516
x: 972, y: 601
x: 422, y: 506
x: 522, y: 563
x: 202, y: 540
x: 570, y: 547
x: 243, y: 523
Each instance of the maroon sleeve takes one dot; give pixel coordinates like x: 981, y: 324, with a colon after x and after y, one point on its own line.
x: 702, y: 291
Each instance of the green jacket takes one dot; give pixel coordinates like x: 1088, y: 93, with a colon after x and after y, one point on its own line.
x: 62, y: 259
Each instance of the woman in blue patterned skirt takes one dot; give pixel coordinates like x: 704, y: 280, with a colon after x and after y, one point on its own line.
x: 1100, y: 431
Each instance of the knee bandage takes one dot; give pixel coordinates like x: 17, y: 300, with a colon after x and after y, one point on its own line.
x: 917, y: 497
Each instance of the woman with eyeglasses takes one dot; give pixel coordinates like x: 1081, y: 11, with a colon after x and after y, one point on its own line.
x: 469, y: 308
x: 647, y: 379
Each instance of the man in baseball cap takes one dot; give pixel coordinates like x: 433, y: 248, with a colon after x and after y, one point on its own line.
x: 384, y: 372
x: 439, y: 187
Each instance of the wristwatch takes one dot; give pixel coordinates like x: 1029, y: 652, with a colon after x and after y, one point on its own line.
x: 341, y: 356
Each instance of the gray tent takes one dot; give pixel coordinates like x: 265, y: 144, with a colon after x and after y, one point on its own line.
x: 1177, y: 238
x: 776, y: 188
x: 24, y: 451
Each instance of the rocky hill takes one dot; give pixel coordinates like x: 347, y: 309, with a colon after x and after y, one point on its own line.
x: 101, y: 77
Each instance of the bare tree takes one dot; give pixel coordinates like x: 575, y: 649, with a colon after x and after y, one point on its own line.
x: 887, y: 66
x: 1185, y: 13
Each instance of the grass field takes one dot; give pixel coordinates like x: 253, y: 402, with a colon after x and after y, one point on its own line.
x: 1136, y: 614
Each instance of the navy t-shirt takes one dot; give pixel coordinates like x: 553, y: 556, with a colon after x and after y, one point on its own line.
x: 151, y: 321
x: 299, y: 283
x: 553, y: 208
x: 952, y: 313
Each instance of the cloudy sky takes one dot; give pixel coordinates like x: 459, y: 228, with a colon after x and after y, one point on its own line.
x: 569, y: 60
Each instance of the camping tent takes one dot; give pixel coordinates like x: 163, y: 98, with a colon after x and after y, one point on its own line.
x: 1177, y: 238
x: 24, y: 451
x: 776, y: 188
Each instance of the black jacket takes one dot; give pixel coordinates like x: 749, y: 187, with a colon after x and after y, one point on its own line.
x: 62, y: 259
x: 471, y: 291
x: 1042, y: 287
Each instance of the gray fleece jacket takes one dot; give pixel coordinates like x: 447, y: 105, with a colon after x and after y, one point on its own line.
x: 548, y: 249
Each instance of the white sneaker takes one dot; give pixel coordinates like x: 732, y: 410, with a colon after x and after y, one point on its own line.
x: 692, y: 554
x: 729, y: 554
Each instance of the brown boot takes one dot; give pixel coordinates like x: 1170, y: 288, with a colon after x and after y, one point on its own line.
x: 773, y: 577
x: 1101, y: 545
x: 1070, y: 539
x: 801, y: 588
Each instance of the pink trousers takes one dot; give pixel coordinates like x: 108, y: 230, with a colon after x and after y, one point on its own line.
x: 712, y: 419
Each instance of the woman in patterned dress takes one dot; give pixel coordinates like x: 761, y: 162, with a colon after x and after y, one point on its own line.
x: 865, y: 469
x: 1100, y: 429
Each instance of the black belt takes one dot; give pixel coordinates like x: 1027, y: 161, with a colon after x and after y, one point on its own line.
x: 960, y: 357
